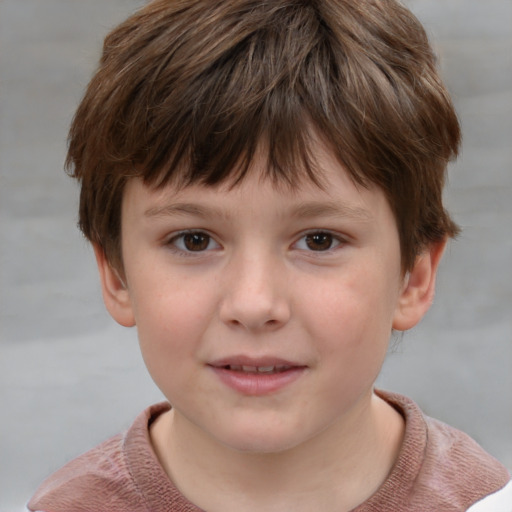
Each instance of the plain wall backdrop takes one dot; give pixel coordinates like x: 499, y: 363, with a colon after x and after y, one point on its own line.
x: 70, y: 377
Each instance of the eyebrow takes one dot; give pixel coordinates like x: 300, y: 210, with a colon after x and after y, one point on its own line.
x: 331, y: 209
x: 171, y: 210
x: 302, y: 211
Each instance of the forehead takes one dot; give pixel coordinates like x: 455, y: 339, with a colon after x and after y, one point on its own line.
x: 333, y: 194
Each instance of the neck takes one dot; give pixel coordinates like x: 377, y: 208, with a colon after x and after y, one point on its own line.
x: 336, y: 470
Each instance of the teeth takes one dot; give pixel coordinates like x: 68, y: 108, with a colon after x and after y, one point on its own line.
x: 265, y: 369
x: 257, y: 369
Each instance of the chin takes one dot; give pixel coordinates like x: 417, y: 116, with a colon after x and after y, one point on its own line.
x: 261, y: 447
x: 261, y: 441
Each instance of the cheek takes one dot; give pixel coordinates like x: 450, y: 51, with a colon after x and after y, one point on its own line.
x: 171, y: 316
x: 360, y: 304
x: 169, y: 337
x: 165, y: 299
x: 352, y: 319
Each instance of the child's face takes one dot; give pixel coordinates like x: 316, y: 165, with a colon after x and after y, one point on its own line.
x: 304, y: 285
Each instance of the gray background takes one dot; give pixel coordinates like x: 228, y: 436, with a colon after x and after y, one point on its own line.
x: 70, y: 377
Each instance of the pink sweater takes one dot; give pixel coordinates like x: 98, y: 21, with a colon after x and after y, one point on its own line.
x: 438, y: 469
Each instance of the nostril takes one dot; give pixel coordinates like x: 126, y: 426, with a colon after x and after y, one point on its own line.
x: 254, y: 313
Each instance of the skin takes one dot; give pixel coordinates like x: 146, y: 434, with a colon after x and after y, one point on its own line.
x: 310, y: 276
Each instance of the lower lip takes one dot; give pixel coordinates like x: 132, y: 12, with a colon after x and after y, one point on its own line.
x: 258, y: 384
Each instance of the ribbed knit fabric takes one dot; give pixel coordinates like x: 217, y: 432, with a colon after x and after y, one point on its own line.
x: 439, y: 469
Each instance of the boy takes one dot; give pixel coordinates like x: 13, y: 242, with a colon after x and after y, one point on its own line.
x: 262, y: 185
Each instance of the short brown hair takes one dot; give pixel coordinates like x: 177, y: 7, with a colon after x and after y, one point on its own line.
x: 187, y: 90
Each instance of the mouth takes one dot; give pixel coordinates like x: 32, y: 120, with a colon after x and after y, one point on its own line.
x: 253, y: 377
x: 268, y: 369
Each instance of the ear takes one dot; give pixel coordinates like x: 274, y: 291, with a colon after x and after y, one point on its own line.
x: 115, y: 292
x: 418, y: 288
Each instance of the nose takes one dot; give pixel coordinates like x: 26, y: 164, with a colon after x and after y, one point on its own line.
x: 255, y: 294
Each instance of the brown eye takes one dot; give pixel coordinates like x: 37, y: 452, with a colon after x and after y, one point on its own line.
x: 319, y: 241
x: 196, y: 241
x: 192, y: 242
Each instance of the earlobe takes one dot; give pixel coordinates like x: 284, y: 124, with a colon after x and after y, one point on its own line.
x: 418, y: 289
x: 115, y: 292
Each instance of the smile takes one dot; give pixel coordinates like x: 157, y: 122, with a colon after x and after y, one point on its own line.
x: 257, y: 369
x: 257, y: 378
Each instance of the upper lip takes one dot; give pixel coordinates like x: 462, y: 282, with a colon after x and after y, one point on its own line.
x: 243, y: 360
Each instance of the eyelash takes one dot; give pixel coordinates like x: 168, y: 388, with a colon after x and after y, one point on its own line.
x: 334, y: 239
x: 172, y: 243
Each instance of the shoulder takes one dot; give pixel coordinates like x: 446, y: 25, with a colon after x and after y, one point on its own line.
x: 464, y: 467
x: 100, y: 479
x: 98, y: 476
x: 452, y: 453
x: 440, y: 467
